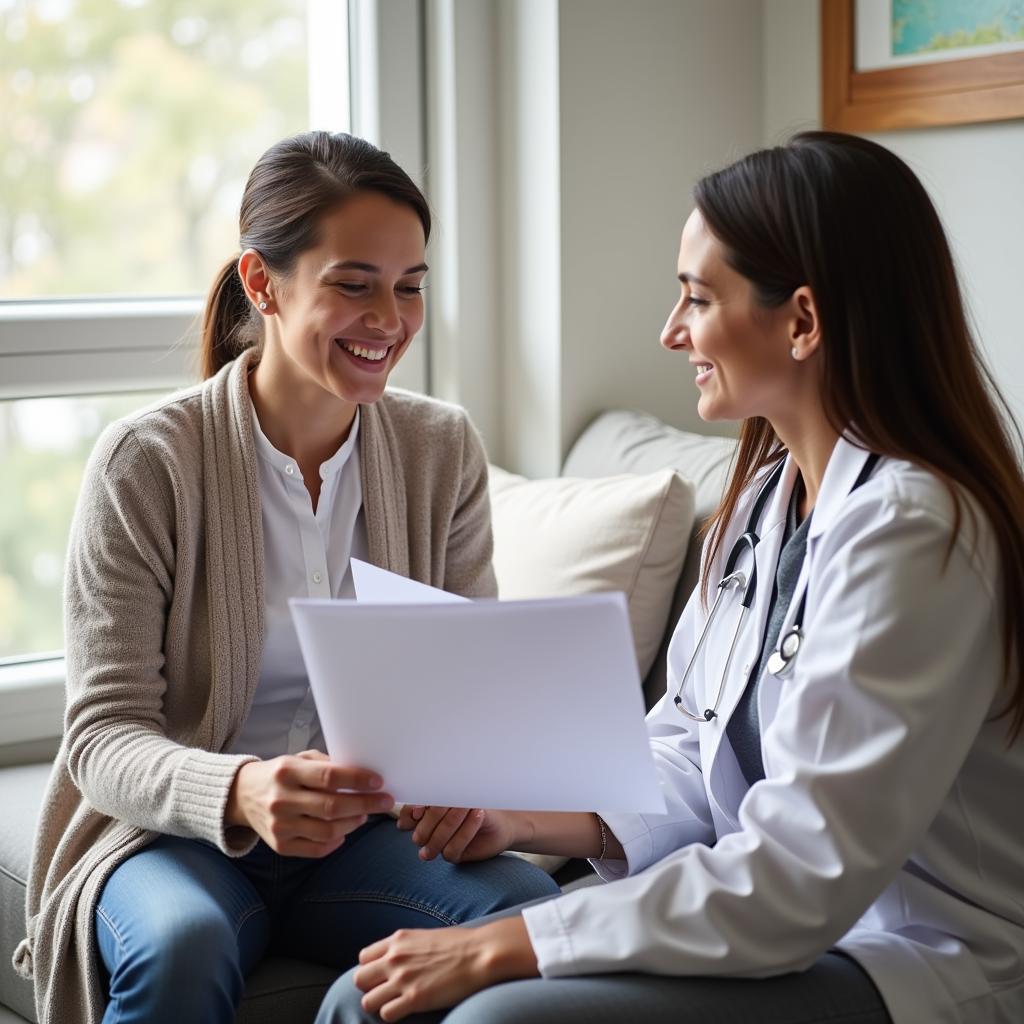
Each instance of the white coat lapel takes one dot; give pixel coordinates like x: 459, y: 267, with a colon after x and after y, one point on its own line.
x: 844, y: 466
x: 770, y: 690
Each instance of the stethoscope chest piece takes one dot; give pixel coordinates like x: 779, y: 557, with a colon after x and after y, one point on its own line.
x: 782, y: 659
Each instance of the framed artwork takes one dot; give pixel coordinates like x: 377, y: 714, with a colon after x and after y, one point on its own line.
x: 889, y: 64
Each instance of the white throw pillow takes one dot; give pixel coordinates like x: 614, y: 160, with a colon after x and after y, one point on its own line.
x: 568, y: 535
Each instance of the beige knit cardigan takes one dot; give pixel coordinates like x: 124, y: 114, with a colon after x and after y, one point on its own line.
x: 164, y: 635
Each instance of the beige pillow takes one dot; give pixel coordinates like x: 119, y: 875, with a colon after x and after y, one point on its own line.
x: 568, y: 535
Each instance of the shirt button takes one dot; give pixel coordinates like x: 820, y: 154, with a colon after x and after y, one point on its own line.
x: 290, y: 469
x: 317, y: 577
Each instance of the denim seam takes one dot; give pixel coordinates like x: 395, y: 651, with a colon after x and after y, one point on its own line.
x: 120, y: 941
x: 110, y: 924
x: 380, y: 897
x: 251, y: 912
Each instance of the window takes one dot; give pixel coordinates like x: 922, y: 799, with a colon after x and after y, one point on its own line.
x: 128, y: 130
x: 44, y: 443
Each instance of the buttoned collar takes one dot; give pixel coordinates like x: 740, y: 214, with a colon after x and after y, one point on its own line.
x: 288, y: 466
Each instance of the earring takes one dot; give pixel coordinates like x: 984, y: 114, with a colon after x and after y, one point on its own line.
x: 263, y: 306
x: 793, y: 352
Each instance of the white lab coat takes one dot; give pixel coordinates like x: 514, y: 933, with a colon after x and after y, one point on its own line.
x: 889, y: 823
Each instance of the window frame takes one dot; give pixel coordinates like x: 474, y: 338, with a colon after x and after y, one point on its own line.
x: 88, y: 346
x: 32, y: 698
x: 57, y: 347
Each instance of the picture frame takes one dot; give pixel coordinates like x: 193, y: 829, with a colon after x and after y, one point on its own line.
x: 988, y: 87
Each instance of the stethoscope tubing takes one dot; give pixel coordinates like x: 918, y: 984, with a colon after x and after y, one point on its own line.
x: 739, y: 579
x: 748, y: 585
x: 783, y: 658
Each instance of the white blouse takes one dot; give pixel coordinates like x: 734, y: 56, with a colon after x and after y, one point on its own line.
x: 305, y: 554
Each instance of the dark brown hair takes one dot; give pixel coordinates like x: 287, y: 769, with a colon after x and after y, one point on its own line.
x: 289, y: 190
x: 901, y: 371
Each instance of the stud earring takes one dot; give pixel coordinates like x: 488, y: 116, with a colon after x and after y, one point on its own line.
x: 793, y: 352
x: 263, y: 306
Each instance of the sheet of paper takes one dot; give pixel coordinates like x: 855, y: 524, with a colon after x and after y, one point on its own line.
x: 506, y: 704
x: 378, y: 586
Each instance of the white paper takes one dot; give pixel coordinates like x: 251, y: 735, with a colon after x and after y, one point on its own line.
x: 378, y: 586
x: 506, y: 704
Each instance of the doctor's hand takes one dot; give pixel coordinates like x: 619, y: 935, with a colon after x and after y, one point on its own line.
x: 456, y: 833
x: 430, y: 969
x: 293, y: 804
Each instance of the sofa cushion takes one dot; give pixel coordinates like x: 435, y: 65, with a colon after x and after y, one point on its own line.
x: 566, y: 536
x: 21, y: 795
x: 636, y: 442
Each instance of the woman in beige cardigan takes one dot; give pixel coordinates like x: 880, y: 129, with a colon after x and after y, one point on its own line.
x: 193, y: 819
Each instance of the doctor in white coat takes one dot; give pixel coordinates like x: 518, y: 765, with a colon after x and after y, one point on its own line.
x: 842, y: 762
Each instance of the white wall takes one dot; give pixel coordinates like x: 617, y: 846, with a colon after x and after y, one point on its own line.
x: 974, y: 173
x: 571, y: 132
x: 529, y: 250
x: 654, y: 94
x: 462, y: 179
x: 609, y: 113
x: 791, y: 97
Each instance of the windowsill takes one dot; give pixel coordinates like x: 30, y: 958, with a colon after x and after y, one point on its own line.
x: 21, y: 310
x: 82, y: 346
x: 32, y: 699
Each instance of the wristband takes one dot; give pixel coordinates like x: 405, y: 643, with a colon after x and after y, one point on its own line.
x: 604, y: 835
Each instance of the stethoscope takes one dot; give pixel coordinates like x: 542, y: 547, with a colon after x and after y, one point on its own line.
x: 782, y: 659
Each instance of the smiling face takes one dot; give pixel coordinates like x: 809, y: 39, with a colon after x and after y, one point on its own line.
x: 740, y: 350
x: 349, y: 310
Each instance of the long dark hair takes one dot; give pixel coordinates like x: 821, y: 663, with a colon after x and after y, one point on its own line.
x: 901, y: 370
x: 291, y: 187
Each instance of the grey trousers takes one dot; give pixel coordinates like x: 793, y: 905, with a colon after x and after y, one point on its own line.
x: 835, y: 989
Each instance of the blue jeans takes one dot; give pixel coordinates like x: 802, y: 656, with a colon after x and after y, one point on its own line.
x: 180, y: 925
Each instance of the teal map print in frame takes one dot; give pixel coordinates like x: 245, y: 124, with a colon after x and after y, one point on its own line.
x: 931, y: 26
x: 891, y: 64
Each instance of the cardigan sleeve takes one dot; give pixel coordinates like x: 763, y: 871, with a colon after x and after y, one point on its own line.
x: 118, y: 587
x: 468, y: 569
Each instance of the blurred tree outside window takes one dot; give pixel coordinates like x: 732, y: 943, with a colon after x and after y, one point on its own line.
x: 44, y: 444
x: 129, y: 128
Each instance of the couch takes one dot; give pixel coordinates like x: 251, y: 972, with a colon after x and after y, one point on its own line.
x: 649, y: 551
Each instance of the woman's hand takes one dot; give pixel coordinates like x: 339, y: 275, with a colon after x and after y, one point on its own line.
x: 416, y: 971
x: 293, y: 804
x: 461, y: 835
x: 457, y: 833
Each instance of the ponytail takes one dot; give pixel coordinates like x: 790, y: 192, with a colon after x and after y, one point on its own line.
x: 229, y: 325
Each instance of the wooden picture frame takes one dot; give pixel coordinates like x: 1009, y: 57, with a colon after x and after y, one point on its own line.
x: 984, y: 88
